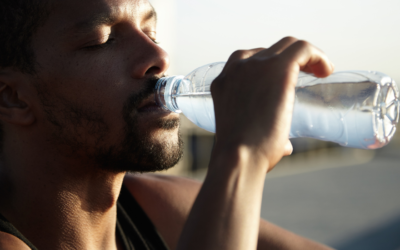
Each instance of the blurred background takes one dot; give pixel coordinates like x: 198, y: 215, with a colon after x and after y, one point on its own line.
x: 346, y: 198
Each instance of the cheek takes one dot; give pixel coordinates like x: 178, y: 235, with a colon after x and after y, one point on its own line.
x: 97, y: 85
x: 100, y: 83
x: 88, y: 71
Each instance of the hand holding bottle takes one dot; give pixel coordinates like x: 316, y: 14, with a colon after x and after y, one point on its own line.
x: 272, y: 74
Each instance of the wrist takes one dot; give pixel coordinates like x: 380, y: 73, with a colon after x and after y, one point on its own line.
x: 239, y: 160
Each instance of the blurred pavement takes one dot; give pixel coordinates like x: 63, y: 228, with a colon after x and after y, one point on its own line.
x: 350, y: 201
x: 346, y: 198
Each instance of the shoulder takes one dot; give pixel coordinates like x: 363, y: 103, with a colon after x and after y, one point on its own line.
x: 167, y: 201
x: 10, y: 242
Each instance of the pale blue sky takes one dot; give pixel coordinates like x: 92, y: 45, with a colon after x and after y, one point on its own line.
x: 355, y: 34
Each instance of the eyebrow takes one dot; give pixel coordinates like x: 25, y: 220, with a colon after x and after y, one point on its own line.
x: 105, y: 18
x: 152, y: 14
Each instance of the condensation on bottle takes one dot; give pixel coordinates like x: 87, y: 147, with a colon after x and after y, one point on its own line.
x: 358, y: 109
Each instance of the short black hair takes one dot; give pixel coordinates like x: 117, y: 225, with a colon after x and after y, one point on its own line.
x: 19, y: 20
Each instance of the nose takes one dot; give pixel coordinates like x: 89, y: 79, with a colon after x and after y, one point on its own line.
x: 151, y: 59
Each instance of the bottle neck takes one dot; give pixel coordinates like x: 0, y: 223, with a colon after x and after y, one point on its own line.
x: 165, y: 91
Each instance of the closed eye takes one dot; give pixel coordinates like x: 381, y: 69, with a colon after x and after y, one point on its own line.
x: 155, y: 41
x: 100, y: 46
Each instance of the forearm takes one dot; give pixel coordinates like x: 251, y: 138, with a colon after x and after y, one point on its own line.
x: 272, y: 237
x: 226, y: 212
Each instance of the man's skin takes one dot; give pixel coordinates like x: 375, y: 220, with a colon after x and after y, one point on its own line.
x: 57, y: 196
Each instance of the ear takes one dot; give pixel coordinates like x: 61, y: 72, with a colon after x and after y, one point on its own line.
x: 15, y: 106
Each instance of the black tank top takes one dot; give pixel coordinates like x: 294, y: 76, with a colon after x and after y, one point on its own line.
x: 135, y: 229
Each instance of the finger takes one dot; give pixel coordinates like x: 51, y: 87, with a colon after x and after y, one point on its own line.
x: 243, y: 54
x: 288, y: 149
x: 278, y: 47
x: 308, y: 58
x: 310, y: 70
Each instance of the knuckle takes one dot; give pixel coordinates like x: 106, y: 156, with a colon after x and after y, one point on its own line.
x: 259, y: 49
x: 303, y: 44
x: 239, y: 53
x: 289, y: 39
x: 263, y: 62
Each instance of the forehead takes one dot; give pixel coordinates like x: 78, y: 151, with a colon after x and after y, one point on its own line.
x: 75, y: 14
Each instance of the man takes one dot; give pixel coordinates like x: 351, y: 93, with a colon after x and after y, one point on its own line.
x: 77, y: 113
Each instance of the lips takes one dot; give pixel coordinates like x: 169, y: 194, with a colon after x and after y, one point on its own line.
x: 149, y: 108
x: 149, y: 105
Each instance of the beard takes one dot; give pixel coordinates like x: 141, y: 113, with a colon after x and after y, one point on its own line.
x: 137, y: 150
x: 138, y: 153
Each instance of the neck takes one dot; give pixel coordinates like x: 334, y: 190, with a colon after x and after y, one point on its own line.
x: 55, y: 201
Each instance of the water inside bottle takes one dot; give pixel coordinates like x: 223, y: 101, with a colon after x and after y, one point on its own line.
x: 360, y: 114
x: 198, y: 108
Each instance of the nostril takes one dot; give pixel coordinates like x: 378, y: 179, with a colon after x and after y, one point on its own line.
x: 153, y: 71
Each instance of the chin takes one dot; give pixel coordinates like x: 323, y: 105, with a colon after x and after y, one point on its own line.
x: 165, y: 133
x: 150, y: 150
x: 166, y: 137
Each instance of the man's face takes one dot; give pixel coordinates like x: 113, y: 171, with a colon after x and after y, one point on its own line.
x: 97, y: 66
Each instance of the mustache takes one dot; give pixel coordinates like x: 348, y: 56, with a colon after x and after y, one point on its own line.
x: 136, y: 99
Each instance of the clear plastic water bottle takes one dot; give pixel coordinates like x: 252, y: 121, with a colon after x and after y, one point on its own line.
x: 357, y: 109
